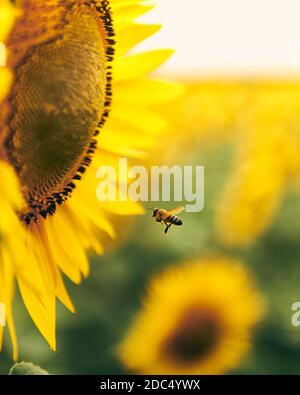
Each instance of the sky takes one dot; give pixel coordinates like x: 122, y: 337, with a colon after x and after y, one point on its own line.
x: 229, y: 36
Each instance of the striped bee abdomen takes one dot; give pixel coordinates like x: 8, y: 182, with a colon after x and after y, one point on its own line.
x: 172, y: 219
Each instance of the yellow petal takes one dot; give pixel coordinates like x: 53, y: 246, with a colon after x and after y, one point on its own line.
x: 42, y: 311
x: 129, y: 36
x: 145, y: 92
x: 125, y: 12
x: 138, y: 65
x: 124, y: 208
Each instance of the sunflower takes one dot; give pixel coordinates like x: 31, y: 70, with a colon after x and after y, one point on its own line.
x: 71, y: 78
x: 257, y: 186
x: 197, y: 319
x: 266, y: 164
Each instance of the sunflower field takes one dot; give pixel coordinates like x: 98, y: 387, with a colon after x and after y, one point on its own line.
x: 94, y: 287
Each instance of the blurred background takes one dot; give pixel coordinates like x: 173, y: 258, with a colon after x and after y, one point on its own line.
x: 240, y: 118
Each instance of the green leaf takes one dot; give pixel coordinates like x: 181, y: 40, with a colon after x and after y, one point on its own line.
x: 27, y: 368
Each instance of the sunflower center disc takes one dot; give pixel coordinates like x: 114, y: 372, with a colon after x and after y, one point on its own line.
x: 57, y: 102
x: 193, y: 339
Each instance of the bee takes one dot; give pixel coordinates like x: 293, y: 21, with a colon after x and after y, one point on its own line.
x: 168, y: 218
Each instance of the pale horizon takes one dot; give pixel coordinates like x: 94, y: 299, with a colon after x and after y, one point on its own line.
x: 228, y: 38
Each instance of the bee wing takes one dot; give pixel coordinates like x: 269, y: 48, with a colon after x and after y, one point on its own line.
x: 176, y: 211
x: 164, y: 214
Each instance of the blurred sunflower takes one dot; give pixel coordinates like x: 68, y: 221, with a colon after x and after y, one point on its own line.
x: 266, y: 163
x: 67, y: 59
x: 205, y: 312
